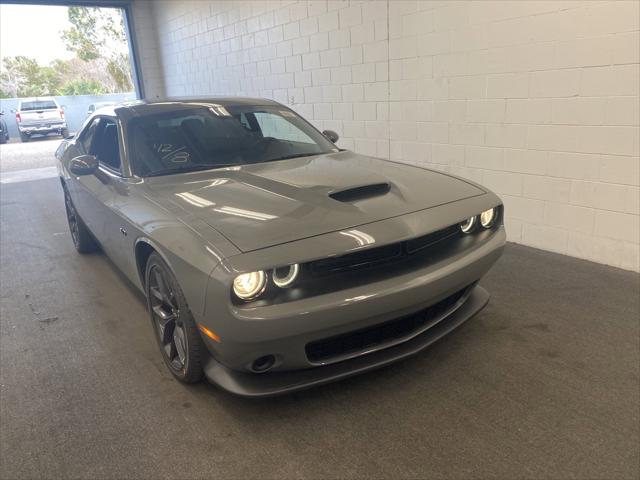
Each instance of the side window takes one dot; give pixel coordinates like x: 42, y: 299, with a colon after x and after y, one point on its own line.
x: 105, y: 145
x: 86, y: 137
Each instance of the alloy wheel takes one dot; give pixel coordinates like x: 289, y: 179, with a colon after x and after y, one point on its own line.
x: 166, y: 317
x: 72, y: 218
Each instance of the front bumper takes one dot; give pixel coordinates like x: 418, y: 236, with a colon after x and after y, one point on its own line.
x: 277, y: 383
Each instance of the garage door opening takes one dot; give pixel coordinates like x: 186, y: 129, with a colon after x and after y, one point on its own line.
x: 71, y: 59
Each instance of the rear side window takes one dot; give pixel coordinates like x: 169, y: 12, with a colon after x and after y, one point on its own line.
x: 38, y: 105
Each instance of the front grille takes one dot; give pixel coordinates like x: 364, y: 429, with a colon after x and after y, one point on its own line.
x: 380, y: 255
x: 348, y: 344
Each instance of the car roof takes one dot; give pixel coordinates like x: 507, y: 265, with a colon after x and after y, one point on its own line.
x: 37, y: 99
x: 146, y: 107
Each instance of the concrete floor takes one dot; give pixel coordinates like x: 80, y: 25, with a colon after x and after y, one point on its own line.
x: 544, y: 383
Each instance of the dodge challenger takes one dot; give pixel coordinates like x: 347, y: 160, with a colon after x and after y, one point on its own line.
x: 271, y: 259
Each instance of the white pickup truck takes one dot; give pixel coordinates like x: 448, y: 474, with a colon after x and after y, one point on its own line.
x: 40, y: 116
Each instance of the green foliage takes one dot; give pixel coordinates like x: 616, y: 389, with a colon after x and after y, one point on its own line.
x: 4, y: 94
x: 28, y: 78
x: 100, y: 33
x: 82, y: 87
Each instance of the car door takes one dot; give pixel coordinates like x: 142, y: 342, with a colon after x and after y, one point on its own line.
x: 101, y: 196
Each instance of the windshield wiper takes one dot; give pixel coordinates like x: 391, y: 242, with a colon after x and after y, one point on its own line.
x: 297, y: 155
x: 197, y: 168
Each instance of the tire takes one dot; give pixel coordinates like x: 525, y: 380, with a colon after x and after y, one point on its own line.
x: 24, y: 138
x: 174, y: 327
x: 82, y: 238
x: 64, y: 132
x: 3, y: 139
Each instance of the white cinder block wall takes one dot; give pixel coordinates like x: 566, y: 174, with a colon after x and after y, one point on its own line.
x: 538, y: 100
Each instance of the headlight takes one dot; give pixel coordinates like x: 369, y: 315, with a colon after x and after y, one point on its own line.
x: 248, y: 286
x: 488, y: 217
x: 468, y: 224
x: 284, y: 277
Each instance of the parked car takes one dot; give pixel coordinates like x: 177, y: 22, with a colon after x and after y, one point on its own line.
x: 4, y: 131
x: 271, y: 259
x: 96, y: 106
x: 40, y: 116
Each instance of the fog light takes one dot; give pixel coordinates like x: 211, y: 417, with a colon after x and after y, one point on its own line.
x: 488, y: 217
x: 468, y: 224
x: 248, y: 286
x: 263, y: 364
x: 284, y: 277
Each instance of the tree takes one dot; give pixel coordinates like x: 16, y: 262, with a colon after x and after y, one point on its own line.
x: 99, y: 33
x: 23, y: 77
x: 82, y: 87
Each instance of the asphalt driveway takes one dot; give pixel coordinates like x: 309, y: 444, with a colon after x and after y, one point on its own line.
x: 544, y: 383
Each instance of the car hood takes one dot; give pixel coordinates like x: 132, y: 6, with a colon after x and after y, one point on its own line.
x: 262, y: 205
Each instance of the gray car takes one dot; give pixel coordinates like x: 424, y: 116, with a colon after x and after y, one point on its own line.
x: 271, y: 259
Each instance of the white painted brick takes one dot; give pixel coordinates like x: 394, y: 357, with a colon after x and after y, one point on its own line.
x: 554, y: 83
x: 321, y: 77
x: 525, y: 209
x: 508, y: 85
x: 361, y: 34
x: 490, y: 158
x: 528, y: 111
x: 433, y: 44
x: 626, y: 47
x: 308, y: 26
x: 364, y: 111
x: 311, y: 61
x: 466, y: 134
x: 343, y: 111
x: 622, y: 111
x: 473, y: 87
x: 351, y: 56
x: 353, y: 93
x: 330, y: 58
x: 403, y: 90
x: 300, y: 45
x: 616, y: 80
x: 547, y: 238
x: 511, y: 136
x: 376, y: 92
x: 546, y: 188
x: 339, y: 39
x: 526, y: 161
x: 503, y: 182
x: 584, y: 52
x: 294, y: 63
x: 574, y: 165
x: 486, y: 111
x: 598, y: 195
x: 608, y: 140
x: 449, y: 111
x: 448, y: 154
x: 302, y: 79
x: 341, y: 76
x: 331, y: 93
x: 354, y: 129
x: 632, y: 200
x: 350, y: 16
x: 553, y: 137
x: 365, y: 72
x: 578, y: 111
x: 403, y: 131
x: 328, y: 22
x: 375, y: 52
x: 569, y: 217
x: 620, y: 226
x: 319, y: 41
x: 382, y: 72
x: 617, y: 169
x: 322, y: 111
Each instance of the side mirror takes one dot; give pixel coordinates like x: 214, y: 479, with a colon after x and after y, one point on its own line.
x: 331, y: 135
x: 84, y: 165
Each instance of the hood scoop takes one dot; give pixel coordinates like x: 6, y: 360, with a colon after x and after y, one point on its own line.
x: 353, y: 194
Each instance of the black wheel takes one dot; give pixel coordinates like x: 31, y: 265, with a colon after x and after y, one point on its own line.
x: 24, y: 138
x: 64, y: 132
x: 175, y: 328
x: 3, y: 139
x: 80, y: 234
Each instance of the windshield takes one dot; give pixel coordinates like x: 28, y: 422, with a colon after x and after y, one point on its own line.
x: 38, y: 105
x: 206, y: 137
